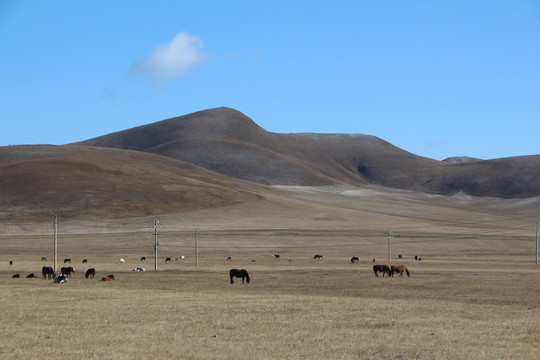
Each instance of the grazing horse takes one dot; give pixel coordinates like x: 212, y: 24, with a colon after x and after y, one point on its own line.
x: 277, y: 256
x: 85, y: 261
x: 47, y: 272
x: 229, y: 258
x: 317, y: 256
x: 122, y: 261
x: 168, y: 260
x: 239, y: 274
x: 400, y: 269
x: 382, y: 268
x: 67, y: 261
x: 67, y: 271
x: 400, y: 256
x: 354, y: 259
x: 90, y: 273
x: 43, y: 258
x: 143, y: 258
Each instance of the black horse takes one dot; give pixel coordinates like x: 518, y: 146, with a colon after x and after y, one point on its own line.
x: 47, y: 272
x: 239, y: 274
x: 382, y: 268
x: 90, y: 273
x: 354, y: 259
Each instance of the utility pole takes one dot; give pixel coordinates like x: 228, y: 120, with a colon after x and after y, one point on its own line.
x: 389, y: 234
x: 196, y: 247
x: 155, y: 226
x: 537, y: 243
x: 55, y: 241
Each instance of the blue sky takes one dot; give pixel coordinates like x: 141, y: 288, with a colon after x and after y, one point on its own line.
x: 435, y: 78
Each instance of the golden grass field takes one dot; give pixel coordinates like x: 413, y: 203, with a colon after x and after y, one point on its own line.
x: 474, y: 295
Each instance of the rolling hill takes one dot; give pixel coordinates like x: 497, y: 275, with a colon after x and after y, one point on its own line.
x: 219, y: 158
x: 38, y: 181
x: 226, y: 141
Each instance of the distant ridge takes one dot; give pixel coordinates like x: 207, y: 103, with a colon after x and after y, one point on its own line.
x: 460, y: 159
x: 226, y: 141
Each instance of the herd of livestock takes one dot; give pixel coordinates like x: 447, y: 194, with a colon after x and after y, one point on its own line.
x: 47, y: 272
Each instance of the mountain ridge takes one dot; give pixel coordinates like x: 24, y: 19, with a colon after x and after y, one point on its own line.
x: 228, y: 142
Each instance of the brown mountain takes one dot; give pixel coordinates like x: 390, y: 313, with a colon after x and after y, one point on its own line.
x: 228, y: 142
x: 85, y: 182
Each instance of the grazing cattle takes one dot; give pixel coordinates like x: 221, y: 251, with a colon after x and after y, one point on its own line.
x: 90, y: 273
x: 143, y: 258
x: 107, y: 278
x: 239, y: 274
x: 122, y: 261
x: 229, y: 258
x: 47, y: 272
x: 400, y: 256
x: 317, y: 256
x: 67, y: 261
x: 60, y: 279
x: 277, y: 256
x: 138, y: 269
x: 85, y: 261
x: 354, y: 259
x: 15, y: 276
x: 382, y: 268
x: 43, y: 258
x: 67, y: 271
x: 400, y: 269
x: 168, y: 260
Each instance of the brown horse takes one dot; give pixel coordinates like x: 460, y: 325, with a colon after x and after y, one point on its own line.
x: 239, y: 274
x: 400, y: 269
x: 382, y: 268
x: 67, y: 271
x: 107, y: 278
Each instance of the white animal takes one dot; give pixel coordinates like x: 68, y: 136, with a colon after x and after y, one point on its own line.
x: 122, y: 261
x: 138, y: 269
x: 182, y: 257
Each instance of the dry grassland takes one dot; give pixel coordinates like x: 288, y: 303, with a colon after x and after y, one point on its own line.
x: 474, y: 295
x: 454, y: 306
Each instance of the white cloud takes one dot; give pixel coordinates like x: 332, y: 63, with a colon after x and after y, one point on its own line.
x: 172, y: 60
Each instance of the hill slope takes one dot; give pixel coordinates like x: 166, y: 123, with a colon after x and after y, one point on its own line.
x: 85, y: 182
x: 226, y: 141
